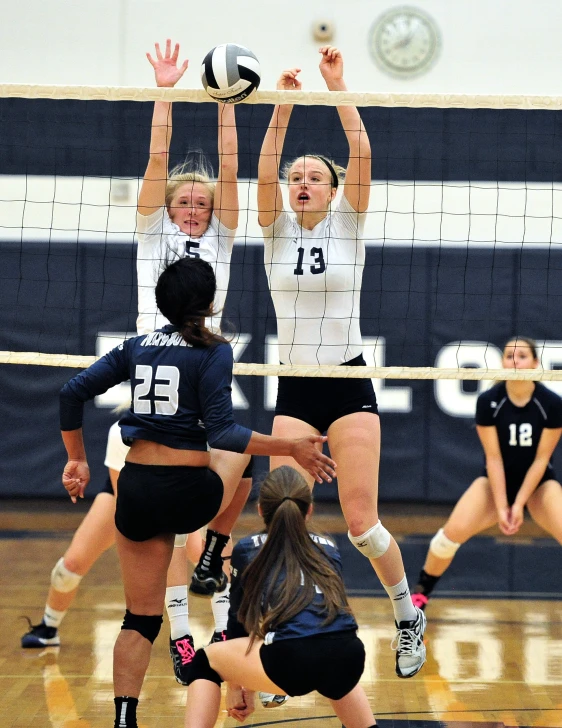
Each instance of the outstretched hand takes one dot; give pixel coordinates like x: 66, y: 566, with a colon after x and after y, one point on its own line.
x: 308, y: 455
x: 331, y: 64
x: 75, y: 478
x: 288, y: 80
x: 165, y: 66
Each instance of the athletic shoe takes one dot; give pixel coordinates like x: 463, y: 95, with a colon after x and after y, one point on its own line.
x: 40, y: 635
x: 409, y: 646
x: 204, y: 583
x: 420, y: 600
x: 182, y: 653
x: 268, y: 700
x: 218, y: 636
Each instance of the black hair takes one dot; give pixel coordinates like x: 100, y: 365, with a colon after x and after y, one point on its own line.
x: 185, y: 292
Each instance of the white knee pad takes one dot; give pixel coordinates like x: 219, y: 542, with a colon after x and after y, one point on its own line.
x: 62, y: 579
x: 373, y: 543
x: 443, y: 547
x: 180, y: 540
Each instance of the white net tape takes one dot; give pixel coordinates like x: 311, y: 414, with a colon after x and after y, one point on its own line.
x: 335, y: 372
x: 306, y: 98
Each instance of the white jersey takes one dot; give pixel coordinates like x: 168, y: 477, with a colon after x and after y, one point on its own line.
x: 160, y: 242
x: 315, y: 282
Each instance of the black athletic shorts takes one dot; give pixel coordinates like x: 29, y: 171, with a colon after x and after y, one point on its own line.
x: 107, y: 488
x: 249, y: 468
x: 320, y: 401
x: 156, y: 499
x: 331, y: 663
x: 514, y: 482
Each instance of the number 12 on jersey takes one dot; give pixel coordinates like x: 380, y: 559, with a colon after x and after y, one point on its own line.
x: 525, y: 435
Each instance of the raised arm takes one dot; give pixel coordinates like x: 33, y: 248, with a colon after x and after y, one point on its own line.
x: 270, y: 201
x: 358, y: 176
x: 226, y: 193
x: 153, y: 190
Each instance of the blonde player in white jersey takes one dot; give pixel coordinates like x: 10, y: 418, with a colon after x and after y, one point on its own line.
x: 314, y: 263
x: 184, y: 213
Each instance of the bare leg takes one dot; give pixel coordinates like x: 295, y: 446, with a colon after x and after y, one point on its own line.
x: 545, y: 507
x: 354, y: 710
x: 143, y: 567
x: 474, y: 512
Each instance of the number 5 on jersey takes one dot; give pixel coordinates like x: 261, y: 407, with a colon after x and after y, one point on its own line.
x: 166, y: 384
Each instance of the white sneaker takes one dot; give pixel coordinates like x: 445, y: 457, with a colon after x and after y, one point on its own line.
x: 409, y: 646
x: 268, y: 700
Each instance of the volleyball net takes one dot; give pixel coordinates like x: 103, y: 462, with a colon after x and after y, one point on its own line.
x: 463, y: 232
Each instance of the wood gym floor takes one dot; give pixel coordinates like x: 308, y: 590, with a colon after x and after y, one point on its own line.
x: 492, y: 662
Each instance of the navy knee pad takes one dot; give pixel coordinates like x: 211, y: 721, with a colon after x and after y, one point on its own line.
x: 147, y: 626
x: 200, y: 669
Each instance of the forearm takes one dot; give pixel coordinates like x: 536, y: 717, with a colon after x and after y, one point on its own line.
x: 161, y: 132
x: 531, y: 481
x: 74, y: 444
x: 266, y: 445
x: 227, y: 142
x: 496, y: 476
x: 272, y: 147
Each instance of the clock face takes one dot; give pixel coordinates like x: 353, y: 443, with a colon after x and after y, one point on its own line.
x: 404, y: 41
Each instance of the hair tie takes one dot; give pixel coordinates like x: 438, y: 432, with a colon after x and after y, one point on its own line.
x: 287, y: 497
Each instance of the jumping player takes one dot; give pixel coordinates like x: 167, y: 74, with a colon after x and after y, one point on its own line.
x: 290, y: 628
x: 519, y: 424
x: 314, y: 265
x: 171, y: 484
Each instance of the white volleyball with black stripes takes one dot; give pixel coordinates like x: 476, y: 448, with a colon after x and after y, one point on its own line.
x: 230, y: 73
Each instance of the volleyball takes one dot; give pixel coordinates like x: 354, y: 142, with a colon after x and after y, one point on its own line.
x: 230, y: 73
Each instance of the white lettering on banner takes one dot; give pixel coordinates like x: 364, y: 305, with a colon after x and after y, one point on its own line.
x: 449, y: 393
x: 121, y: 393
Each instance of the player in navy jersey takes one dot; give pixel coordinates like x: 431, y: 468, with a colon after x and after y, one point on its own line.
x: 519, y: 424
x: 181, y: 406
x: 290, y: 629
x: 314, y: 264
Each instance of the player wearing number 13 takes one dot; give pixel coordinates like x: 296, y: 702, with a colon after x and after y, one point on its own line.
x: 519, y: 424
x: 314, y: 264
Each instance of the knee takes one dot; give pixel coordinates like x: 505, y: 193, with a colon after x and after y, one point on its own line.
x: 146, y: 625
x: 200, y: 669
x: 63, y: 579
x: 442, y: 547
x: 374, y: 543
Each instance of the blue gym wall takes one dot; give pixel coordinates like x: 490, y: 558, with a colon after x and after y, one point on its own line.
x: 56, y: 297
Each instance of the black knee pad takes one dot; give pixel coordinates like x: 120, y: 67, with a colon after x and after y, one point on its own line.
x: 200, y: 669
x: 148, y: 626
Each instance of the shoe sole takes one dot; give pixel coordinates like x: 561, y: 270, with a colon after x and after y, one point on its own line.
x: 207, y: 588
x: 36, y: 643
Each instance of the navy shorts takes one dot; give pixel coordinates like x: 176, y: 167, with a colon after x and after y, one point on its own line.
x: 320, y: 401
x: 331, y: 663
x: 513, y: 482
x: 157, y: 499
x: 249, y: 471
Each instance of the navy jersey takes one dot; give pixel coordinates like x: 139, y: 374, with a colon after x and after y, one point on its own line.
x: 519, y: 428
x: 308, y: 622
x: 180, y: 394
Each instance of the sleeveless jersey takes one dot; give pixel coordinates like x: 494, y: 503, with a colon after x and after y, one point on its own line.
x: 315, y: 280
x: 160, y: 242
x: 181, y: 394
x: 307, y: 622
x: 519, y: 428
